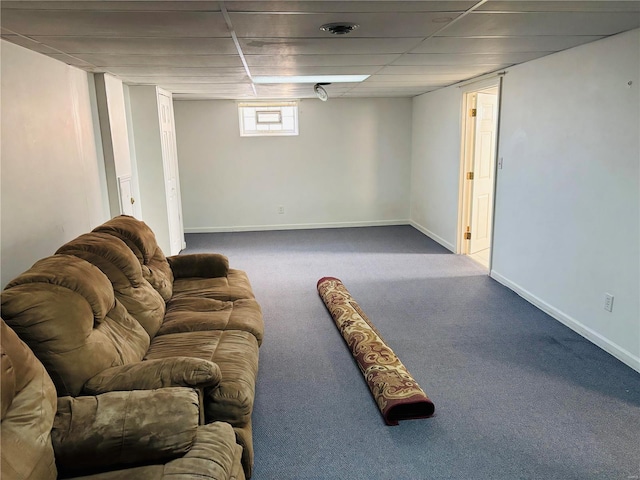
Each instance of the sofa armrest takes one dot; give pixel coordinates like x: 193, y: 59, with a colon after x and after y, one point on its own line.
x: 152, y: 374
x: 119, y: 429
x: 206, y: 265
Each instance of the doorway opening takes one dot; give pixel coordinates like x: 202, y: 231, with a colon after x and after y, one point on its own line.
x: 478, y: 170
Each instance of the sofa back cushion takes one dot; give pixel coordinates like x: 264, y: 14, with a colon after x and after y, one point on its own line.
x: 65, y: 310
x: 28, y: 409
x: 142, y: 242
x: 118, y: 262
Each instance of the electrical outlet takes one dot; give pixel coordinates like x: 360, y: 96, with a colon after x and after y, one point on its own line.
x: 608, y: 302
x: 280, y: 210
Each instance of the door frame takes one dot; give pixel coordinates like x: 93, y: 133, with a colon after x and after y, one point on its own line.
x: 170, y: 165
x: 467, y: 145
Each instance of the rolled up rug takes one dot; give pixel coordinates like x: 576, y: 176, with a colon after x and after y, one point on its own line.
x: 397, y: 394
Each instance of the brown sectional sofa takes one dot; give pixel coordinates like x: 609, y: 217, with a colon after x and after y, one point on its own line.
x: 109, y: 312
x: 141, y: 434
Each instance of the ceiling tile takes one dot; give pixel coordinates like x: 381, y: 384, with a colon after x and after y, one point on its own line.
x: 299, y: 90
x: 213, y: 96
x: 372, y: 25
x: 319, y: 60
x: 541, y: 24
x: 501, y: 44
x: 227, y: 88
x: 466, y: 59
x: 306, y: 46
x: 386, y: 93
x: 141, y: 60
x: 279, y: 70
x: 389, y: 81
x: 140, y: 46
x: 115, y: 24
x: 185, y: 46
x: 180, y: 80
x: 28, y: 43
x: 465, y: 70
x: 398, y: 91
x: 149, y: 71
x: 75, y: 61
x: 556, y: 6
x: 104, y: 5
x: 386, y: 81
x: 349, y: 7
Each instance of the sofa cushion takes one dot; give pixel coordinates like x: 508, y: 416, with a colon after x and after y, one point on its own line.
x: 72, y: 274
x: 156, y: 373
x: 234, y: 286
x: 213, y: 456
x: 8, y: 379
x: 214, y: 441
x: 120, y: 429
x: 65, y: 310
x: 186, y: 314
x: 118, y: 262
x: 199, y: 265
x: 28, y: 407
x: 142, y: 241
x: 235, y: 352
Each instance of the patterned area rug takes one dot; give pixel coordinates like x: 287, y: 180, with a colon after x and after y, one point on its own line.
x: 395, y: 391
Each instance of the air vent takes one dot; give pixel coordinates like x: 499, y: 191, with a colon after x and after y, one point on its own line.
x: 339, y: 28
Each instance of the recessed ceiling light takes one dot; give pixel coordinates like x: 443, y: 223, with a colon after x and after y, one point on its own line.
x: 339, y: 28
x: 320, y: 92
x: 311, y: 79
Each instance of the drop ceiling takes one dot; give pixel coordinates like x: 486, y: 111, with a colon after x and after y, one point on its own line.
x: 200, y: 49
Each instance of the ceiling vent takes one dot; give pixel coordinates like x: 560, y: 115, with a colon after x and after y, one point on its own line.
x: 339, y: 28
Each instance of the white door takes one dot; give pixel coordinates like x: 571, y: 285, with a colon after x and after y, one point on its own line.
x: 483, y: 166
x: 172, y: 181
x: 126, y: 199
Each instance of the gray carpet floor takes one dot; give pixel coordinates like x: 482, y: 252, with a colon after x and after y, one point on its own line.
x: 517, y: 394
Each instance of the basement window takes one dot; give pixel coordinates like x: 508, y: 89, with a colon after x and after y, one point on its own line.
x: 268, y: 119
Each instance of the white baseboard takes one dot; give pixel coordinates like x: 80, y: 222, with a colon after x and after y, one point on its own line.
x: 433, y: 236
x: 294, y: 226
x: 607, y: 345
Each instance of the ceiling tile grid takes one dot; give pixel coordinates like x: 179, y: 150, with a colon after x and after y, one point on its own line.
x: 196, y: 49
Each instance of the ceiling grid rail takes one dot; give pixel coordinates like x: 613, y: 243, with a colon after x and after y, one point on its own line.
x: 234, y: 37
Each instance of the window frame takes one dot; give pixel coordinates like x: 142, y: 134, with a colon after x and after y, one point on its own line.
x: 250, y: 112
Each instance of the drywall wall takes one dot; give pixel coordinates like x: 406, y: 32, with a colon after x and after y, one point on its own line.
x: 53, y: 185
x: 435, y: 165
x: 115, y: 140
x: 567, y: 202
x: 349, y: 166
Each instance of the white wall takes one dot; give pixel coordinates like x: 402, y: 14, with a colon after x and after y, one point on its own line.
x: 118, y: 123
x: 567, y: 211
x: 567, y: 205
x: 53, y: 186
x: 349, y: 166
x: 435, y: 166
x: 115, y: 137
